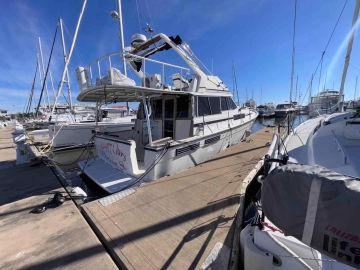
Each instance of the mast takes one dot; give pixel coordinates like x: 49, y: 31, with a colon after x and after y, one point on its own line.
x: 348, y: 54
x: 39, y: 70
x: 293, y: 55
x: 28, y: 107
x: 43, y: 70
x: 69, y: 56
x: 65, y: 57
x: 355, y: 88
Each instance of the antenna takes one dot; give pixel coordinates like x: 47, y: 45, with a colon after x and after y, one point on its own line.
x: 117, y: 15
x: 148, y: 28
x: 235, y: 86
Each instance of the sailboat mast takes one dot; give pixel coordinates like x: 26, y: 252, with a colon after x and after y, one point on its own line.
x: 43, y: 70
x: 355, y: 90
x: 293, y: 54
x: 348, y: 54
x: 69, y: 56
x: 65, y: 57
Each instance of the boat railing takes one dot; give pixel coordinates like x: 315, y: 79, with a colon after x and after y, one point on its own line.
x: 96, y: 70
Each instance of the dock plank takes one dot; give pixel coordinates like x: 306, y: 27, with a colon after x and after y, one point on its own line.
x: 175, y: 222
x: 58, y: 238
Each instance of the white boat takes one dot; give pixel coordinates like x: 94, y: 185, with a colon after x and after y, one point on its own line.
x: 332, y: 142
x: 266, y: 110
x: 250, y: 103
x: 303, y: 209
x: 180, y: 123
x: 284, y: 109
x: 326, y: 102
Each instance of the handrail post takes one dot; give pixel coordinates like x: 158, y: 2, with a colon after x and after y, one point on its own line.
x: 110, y: 69
x: 91, y: 76
x: 163, y: 75
x: 98, y: 64
x: 144, y: 72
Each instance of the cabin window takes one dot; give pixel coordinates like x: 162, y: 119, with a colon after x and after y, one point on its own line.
x: 169, y: 108
x: 141, y: 112
x: 182, y: 107
x: 215, y: 105
x: 232, y: 104
x: 224, y: 104
x: 203, y: 106
x: 157, y: 108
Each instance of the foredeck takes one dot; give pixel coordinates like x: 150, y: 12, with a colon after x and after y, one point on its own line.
x: 185, y: 221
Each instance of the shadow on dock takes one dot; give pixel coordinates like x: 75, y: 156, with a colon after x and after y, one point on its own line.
x: 209, y: 227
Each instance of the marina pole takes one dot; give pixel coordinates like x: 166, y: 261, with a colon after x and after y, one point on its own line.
x: 69, y: 57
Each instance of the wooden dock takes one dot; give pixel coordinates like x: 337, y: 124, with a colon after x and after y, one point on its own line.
x: 58, y: 238
x: 185, y: 221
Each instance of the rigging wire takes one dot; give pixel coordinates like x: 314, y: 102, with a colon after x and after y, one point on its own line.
x: 326, y: 47
x: 47, y: 68
x: 138, y: 14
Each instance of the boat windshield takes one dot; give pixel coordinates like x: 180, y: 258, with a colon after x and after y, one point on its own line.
x: 283, y: 106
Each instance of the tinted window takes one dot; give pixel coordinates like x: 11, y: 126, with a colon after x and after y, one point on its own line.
x: 157, y: 108
x: 232, y: 104
x: 169, y: 108
x: 182, y: 107
x: 141, y: 113
x: 215, y: 105
x: 203, y: 106
x: 224, y: 104
x: 168, y: 128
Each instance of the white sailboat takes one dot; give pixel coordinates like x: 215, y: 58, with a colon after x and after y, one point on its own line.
x: 305, y: 208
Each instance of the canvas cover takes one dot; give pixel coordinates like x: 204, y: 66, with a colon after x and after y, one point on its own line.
x: 317, y: 206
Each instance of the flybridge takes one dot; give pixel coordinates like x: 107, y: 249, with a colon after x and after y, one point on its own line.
x: 152, y: 75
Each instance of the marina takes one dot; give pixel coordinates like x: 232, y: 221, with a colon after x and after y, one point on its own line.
x: 129, y: 142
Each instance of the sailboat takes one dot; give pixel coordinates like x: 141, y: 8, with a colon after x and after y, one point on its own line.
x: 306, y: 200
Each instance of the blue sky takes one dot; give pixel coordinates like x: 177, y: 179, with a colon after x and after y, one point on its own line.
x: 255, y: 35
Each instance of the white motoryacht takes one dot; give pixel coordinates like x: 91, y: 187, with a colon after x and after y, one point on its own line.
x: 266, y: 110
x: 284, y: 109
x: 326, y: 102
x: 181, y: 122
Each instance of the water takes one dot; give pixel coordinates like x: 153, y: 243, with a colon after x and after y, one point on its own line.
x: 261, y: 123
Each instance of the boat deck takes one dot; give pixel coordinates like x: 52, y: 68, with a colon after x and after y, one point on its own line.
x: 58, y: 238
x: 185, y: 221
